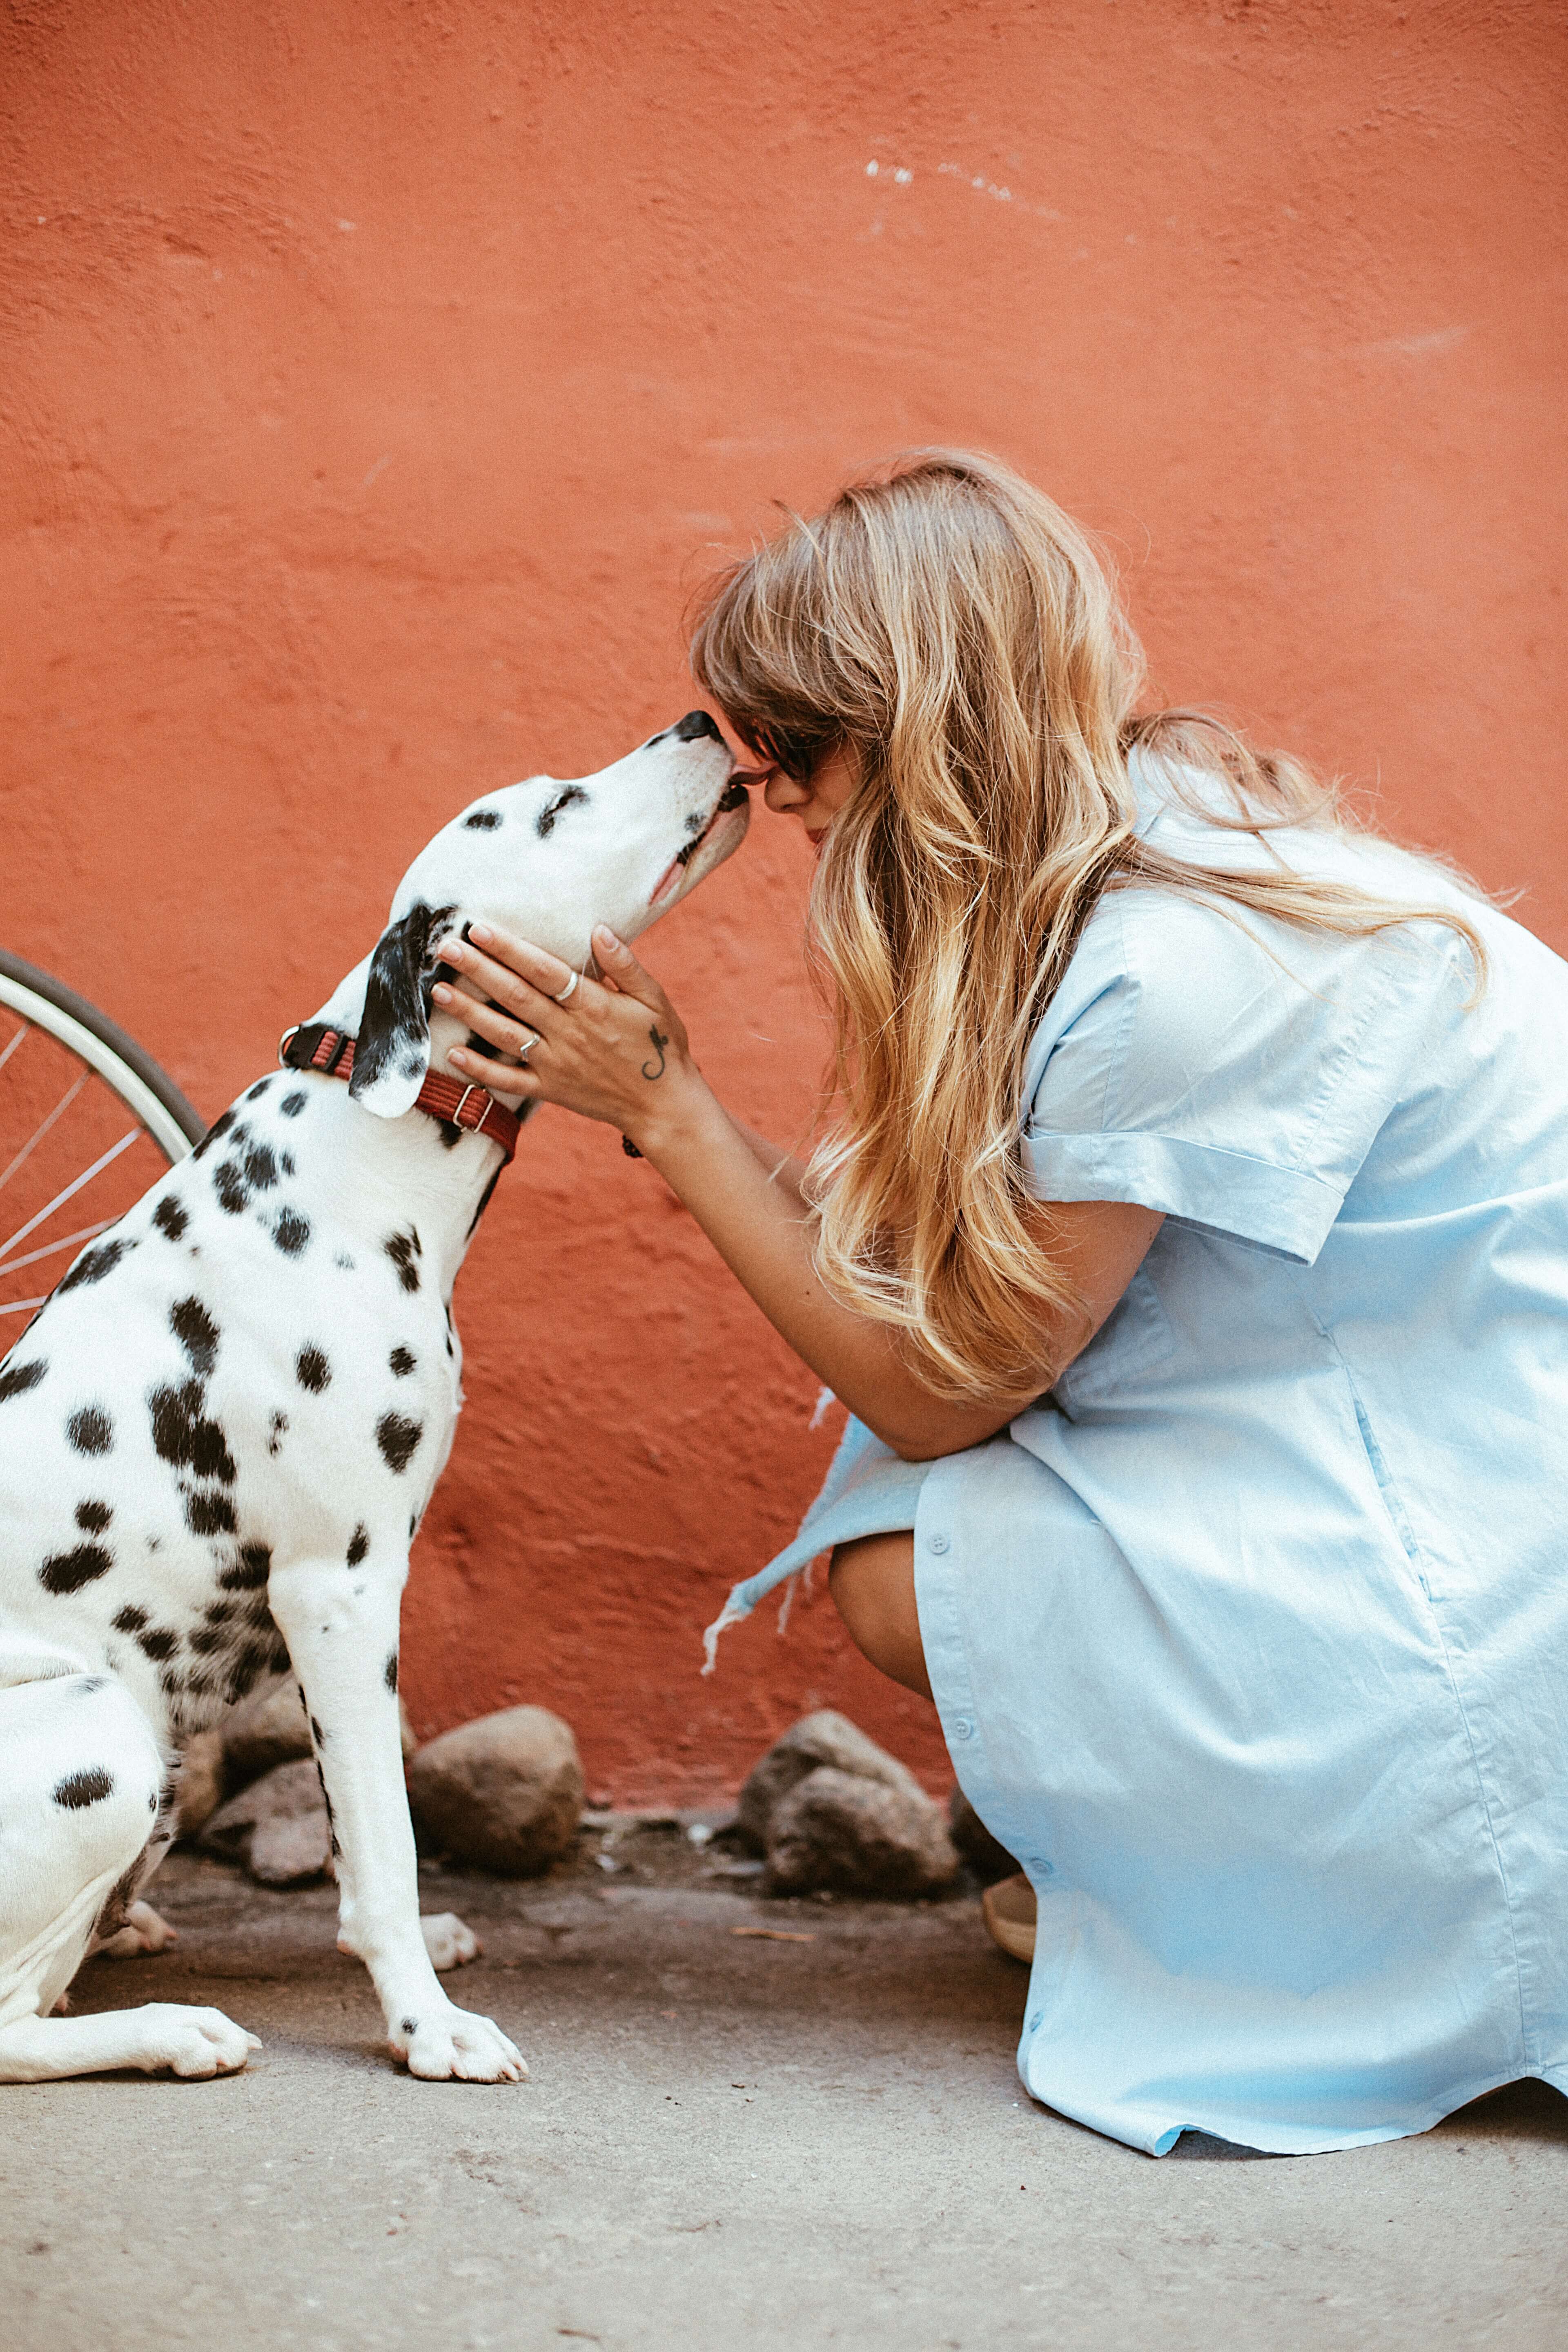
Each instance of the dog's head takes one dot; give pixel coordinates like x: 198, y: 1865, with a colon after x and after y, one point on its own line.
x: 546, y: 861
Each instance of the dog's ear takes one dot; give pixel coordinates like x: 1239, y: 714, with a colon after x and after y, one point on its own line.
x: 392, y: 1051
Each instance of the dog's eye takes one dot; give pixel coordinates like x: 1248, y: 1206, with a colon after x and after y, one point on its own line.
x: 553, y: 808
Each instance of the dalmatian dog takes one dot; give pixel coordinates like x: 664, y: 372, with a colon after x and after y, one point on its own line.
x: 218, y: 1435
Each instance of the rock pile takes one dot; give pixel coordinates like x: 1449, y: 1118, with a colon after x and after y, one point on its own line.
x: 829, y: 1809
x: 505, y: 1791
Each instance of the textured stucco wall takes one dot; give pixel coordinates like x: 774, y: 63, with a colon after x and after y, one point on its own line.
x: 379, y: 378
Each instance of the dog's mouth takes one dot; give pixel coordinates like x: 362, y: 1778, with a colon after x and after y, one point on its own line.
x: 720, y: 834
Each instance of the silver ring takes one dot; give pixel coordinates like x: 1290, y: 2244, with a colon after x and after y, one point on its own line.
x: 569, y: 992
x: 527, y: 1047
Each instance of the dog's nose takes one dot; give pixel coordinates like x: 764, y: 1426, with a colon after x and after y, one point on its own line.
x: 694, y: 727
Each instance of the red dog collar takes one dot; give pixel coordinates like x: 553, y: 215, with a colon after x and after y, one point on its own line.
x: 332, y: 1051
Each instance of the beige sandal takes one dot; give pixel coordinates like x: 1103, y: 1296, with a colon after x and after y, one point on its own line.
x: 1009, y: 1912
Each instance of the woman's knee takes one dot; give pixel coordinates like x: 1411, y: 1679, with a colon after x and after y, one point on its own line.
x: 872, y: 1581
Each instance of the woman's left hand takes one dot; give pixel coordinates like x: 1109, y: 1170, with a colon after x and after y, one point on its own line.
x: 612, y: 1049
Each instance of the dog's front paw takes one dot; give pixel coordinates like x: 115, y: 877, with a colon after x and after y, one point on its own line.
x: 145, y: 1931
x: 449, y: 2043
x: 197, y: 2043
x: 450, y: 1943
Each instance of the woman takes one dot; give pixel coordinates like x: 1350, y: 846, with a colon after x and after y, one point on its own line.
x: 1189, y: 1247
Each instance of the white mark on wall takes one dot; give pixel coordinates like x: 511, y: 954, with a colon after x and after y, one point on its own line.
x: 897, y: 173
x: 380, y: 467
x: 1414, y: 347
x: 997, y: 193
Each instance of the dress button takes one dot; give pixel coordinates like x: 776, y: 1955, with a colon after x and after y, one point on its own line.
x: 964, y: 1728
x: 936, y: 1543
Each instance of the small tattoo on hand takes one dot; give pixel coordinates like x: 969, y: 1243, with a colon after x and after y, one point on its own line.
x: 659, y: 1044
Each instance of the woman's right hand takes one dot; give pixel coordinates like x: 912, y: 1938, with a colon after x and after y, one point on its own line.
x: 612, y: 1048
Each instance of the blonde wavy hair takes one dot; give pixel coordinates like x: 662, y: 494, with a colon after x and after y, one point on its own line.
x: 958, y: 635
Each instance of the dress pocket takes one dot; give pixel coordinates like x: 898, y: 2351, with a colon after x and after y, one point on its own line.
x: 1131, y: 1345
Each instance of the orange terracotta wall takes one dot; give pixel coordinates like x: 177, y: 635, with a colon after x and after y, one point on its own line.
x: 379, y: 379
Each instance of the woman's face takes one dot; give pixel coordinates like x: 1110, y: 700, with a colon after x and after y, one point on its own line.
x: 816, y: 803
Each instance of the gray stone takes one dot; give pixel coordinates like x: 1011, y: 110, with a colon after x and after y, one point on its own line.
x: 277, y: 1827
x: 858, y: 1836
x: 986, y: 1856
x: 265, y: 1730
x: 504, y: 1792
x: 817, y: 1740
x: 199, y: 1790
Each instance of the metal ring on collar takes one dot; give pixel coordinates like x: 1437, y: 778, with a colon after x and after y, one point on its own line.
x: 570, y: 991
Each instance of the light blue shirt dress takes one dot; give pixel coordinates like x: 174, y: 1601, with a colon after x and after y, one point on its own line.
x: 1251, y: 1638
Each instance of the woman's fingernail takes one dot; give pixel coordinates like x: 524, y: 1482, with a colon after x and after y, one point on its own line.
x: 441, y: 992
x: 480, y: 931
x: 450, y: 952
x: 603, y: 932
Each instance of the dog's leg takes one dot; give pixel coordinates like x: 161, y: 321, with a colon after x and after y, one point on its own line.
x: 341, y: 1631
x: 80, y: 1782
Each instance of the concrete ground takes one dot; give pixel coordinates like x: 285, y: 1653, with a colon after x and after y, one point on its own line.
x: 750, y: 2124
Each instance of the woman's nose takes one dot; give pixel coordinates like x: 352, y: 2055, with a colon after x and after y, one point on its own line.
x: 782, y: 792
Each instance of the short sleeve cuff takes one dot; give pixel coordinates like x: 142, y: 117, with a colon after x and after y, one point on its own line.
x: 1279, y: 1208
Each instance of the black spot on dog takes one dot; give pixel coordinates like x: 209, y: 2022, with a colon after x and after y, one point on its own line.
x: 389, y: 1672
x: 160, y: 1644
x: 17, y: 1379
x: 398, y: 1438
x: 91, y: 1430
x: 292, y: 1232
x: 292, y: 1105
x: 219, y: 1128
x: 275, y: 1433
x: 402, y: 1360
x: 312, y: 1370
x: 94, y: 1263
x: 170, y: 1218
x: 482, y: 821
x: 67, y: 1571
x: 183, y: 1435
x: 93, y: 1517
x: 249, y: 1571
x: 210, y: 1515
x: 544, y: 823
x: 286, y: 1161
x: 261, y: 1168
x: 450, y: 1133
x: 262, y: 1086
x: 359, y: 1544
x: 90, y: 1683
x: 409, y: 2025
x: 413, y: 1525
x: 343, y: 1259
x: 403, y: 1249
x: 131, y: 1620
x: 317, y: 1734
x: 233, y: 1192
x: 196, y: 1332
x: 88, y: 1787
x: 208, y: 1638
x: 220, y: 1613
